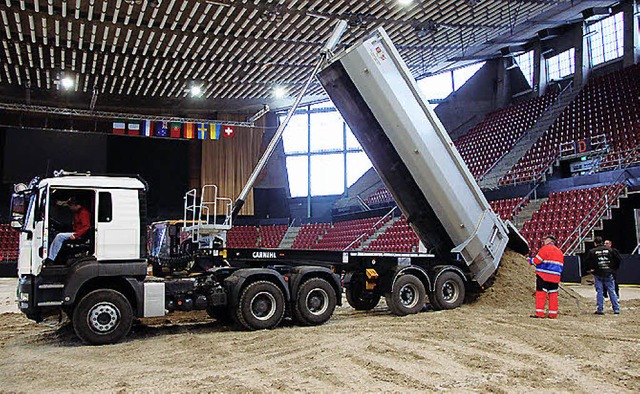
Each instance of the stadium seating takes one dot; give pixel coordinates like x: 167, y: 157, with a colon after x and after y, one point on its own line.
x: 399, y: 237
x: 486, y: 142
x: 608, y: 106
x: 505, y: 208
x: 242, y: 237
x: 341, y: 234
x: 381, y: 196
x: 309, y: 234
x: 563, y: 212
x: 9, y: 243
x: 271, y: 236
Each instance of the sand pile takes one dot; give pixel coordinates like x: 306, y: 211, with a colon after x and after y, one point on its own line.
x: 514, y: 287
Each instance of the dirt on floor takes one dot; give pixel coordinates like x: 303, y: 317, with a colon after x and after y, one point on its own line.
x: 490, y: 345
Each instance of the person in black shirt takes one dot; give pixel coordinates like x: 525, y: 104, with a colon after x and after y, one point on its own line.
x: 602, y: 262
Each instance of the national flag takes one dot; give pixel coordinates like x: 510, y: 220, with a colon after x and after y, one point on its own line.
x: 133, y: 127
x: 118, y: 126
x: 203, y: 129
x: 162, y: 129
x: 189, y: 130
x: 228, y: 131
x: 175, y: 131
x: 147, y: 128
x: 214, y: 131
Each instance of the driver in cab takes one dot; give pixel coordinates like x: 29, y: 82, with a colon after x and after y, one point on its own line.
x: 81, y: 224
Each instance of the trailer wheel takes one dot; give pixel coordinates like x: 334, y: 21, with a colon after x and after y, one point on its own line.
x: 450, y: 290
x: 102, y: 316
x: 358, y: 297
x: 261, y: 306
x: 407, y: 296
x: 315, y: 302
x: 434, y: 302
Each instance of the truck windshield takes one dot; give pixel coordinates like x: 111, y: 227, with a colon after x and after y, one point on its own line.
x: 21, y: 206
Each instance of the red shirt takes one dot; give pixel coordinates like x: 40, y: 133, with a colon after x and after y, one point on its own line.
x: 81, y: 222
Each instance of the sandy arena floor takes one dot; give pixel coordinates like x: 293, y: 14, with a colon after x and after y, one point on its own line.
x: 490, y: 345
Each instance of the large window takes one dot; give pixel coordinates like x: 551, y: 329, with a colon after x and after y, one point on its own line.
x: 606, y: 39
x: 525, y: 62
x: 323, y: 155
x: 438, y: 86
x: 561, y: 65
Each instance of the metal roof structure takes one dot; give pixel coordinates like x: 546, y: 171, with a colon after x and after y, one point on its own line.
x: 145, y: 55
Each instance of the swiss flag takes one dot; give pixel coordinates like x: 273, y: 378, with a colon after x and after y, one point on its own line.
x: 228, y: 131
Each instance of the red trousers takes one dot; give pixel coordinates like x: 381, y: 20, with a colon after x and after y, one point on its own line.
x: 544, y: 289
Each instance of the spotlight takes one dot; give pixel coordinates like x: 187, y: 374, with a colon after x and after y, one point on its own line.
x: 405, y: 2
x: 279, y: 92
x: 196, y: 91
x: 67, y: 83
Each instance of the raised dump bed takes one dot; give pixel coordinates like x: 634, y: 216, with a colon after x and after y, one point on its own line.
x: 379, y: 99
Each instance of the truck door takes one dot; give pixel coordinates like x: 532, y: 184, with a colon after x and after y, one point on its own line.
x: 117, y: 225
x: 40, y: 244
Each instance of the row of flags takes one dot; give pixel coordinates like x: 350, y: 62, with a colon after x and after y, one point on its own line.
x: 149, y: 128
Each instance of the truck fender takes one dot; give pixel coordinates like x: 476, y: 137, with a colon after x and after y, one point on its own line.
x: 439, y: 270
x: 235, y: 282
x: 300, y: 274
x: 86, y: 271
x: 414, y: 270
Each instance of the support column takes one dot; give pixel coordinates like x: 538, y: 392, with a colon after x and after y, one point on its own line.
x: 581, y: 55
x: 539, y: 69
x: 503, y: 89
x: 631, y: 10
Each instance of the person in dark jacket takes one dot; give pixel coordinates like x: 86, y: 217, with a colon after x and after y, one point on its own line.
x: 603, y: 262
x: 609, y: 245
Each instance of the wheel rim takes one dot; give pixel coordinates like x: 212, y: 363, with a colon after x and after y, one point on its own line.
x: 450, y: 291
x: 317, y: 301
x: 409, y: 295
x: 263, y: 306
x: 103, y: 317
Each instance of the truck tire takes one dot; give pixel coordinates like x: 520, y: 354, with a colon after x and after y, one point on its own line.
x: 261, y: 306
x: 407, y: 296
x: 434, y: 303
x: 102, y: 316
x: 449, y: 290
x: 358, y: 297
x: 315, y: 302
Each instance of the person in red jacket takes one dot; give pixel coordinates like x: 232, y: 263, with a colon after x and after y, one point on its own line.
x: 81, y: 224
x: 549, y: 262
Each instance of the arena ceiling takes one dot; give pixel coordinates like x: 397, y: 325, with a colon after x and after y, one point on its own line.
x: 145, y: 55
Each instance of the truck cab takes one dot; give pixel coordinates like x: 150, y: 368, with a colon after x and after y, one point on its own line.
x: 114, y: 246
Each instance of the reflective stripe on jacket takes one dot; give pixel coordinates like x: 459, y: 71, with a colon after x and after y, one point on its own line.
x: 549, y: 262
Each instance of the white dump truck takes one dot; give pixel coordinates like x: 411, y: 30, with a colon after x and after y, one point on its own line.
x: 102, y: 281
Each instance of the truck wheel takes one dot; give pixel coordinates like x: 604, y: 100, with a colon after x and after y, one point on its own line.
x: 261, y: 306
x: 450, y: 290
x: 102, y: 316
x: 407, y: 296
x: 434, y: 303
x: 358, y: 297
x: 315, y: 302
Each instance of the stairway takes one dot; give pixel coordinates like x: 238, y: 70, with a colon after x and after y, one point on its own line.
x: 527, y: 212
x: 289, y: 237
x: 378, y: 232
x: 524, y: 144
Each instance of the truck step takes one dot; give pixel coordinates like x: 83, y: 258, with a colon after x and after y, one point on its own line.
x: 50, y: 303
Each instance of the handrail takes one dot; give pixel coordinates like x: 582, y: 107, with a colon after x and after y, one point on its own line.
x: 515, y: 209
x: 582, y: 231
x: 374, y: 226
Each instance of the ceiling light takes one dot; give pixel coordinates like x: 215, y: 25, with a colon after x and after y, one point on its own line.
x: 196, y: 91
x: 279, y: 92
x: 67, y: 83
x: 405, y: 2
